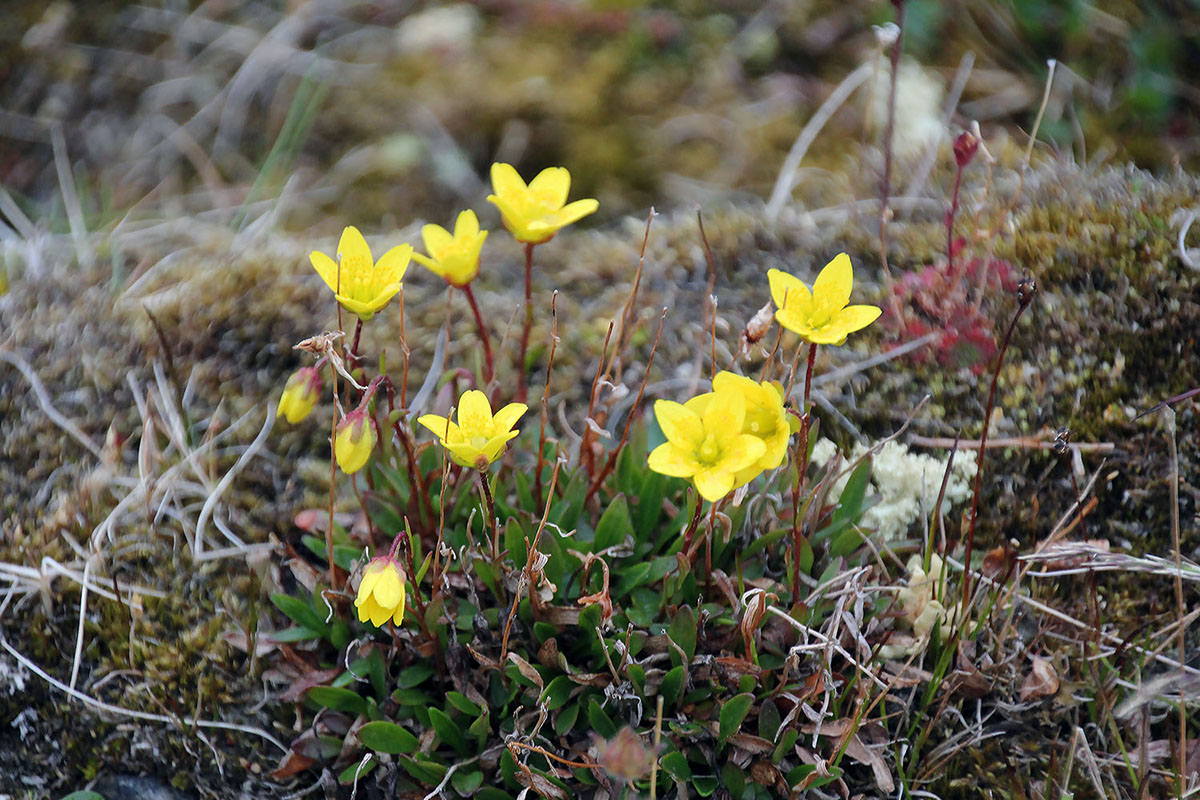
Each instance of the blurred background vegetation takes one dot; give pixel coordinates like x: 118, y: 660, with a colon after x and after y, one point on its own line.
x: 395, y: 108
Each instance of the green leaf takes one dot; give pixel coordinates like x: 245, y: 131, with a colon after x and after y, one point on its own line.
x: 557, y: 692
x: 683, y: 633
x: 786, y: 741
x: 411, y: 697
x: 649, y: 504
x: 426, y: 772
x: 338, y: 699
x: 300, y: 613
x: 600, y: 721
x: 732, y: 714
x: 414, y: 675
x: 448, y: 730
x: 492, y: 793
x: 734, y: 779
x: 705, y: 785
x: 614, y: 525
x: 295, y: 634
x: 377, y: 673
x: 676, y: 765
x: 387, y: 737
x: 672, y: 686
x: 566, y: 719
x: 83, y: 795
x: 461, y: 702
x: 466, y: 783
x: 768, y: 720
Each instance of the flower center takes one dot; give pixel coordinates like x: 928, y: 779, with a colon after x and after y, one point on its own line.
x: 709, y: 450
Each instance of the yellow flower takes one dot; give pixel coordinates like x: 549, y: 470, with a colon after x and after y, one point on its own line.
x: 300, y: 394
x: 381, y: 592
x: 363, y: 286
x: 766, y: 419
x: 705, y: 442
x: 820, y: 316
x: 479, y: 438
x: 536, y: 212
x: 353, y: 441
x: 454, y: 257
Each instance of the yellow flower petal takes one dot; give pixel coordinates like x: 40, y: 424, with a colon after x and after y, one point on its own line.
x: 465, y: 455
x: 440, y: 426
x: 389, y: 590
x: 742, y: 452
x: 855, y: 318
x: 550, y: 187
x: 668, y: 459
x: 507, y: 417
x: 371, y: 576
x: 787, y: 291
x: 353, y: 249
x: 398, y: 617
x: 679, y: 424
x: 326, y: 267
x: 724, y: 415
x: 495, y: 445
x: 506, y: 180
x: 393, y: 264
x: 437, y: 240
x: 467, y: 225
x: 379, y: 614
x: 474, y: 413
x: 713, y: 484
x: 832, y: 287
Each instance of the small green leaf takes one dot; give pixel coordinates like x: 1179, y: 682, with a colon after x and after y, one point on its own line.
x: 600, y: 721
x: 466, y: 783
x: 705, y: 785
x: 461, y: 702
x: 426, y: 772
x: 83, y: 795
x: 338, y: 699
x: 683, y: 633
x: 294, y: 634
x: 300, y: 613
x: 786, y: 741
x: 732, y: 715
x: 558, y: 691
x: 448, y: 730
x: 768, y: 720
x: 672, y: 686
x: 387, y: 737
x: 614, y: 525
x: 734, y: 779
x: 676, y: 765
x: 414, y: 675
x: 566, y: 719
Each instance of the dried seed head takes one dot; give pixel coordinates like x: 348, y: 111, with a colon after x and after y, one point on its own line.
x: 759, y: 324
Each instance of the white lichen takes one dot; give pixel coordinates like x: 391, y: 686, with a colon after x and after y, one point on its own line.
x: 906, y: 483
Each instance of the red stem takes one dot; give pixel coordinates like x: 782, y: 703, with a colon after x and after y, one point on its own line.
x: 522, y: 380
x: 805, y: 419
x: 950, y: 220
x: 489, y: 365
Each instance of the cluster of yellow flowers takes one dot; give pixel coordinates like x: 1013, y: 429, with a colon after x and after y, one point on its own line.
x: 533, y: 213
x: 721, y: 439
x: 727, y: 437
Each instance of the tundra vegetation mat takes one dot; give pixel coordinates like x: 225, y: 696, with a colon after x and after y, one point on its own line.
x: 583, y: 610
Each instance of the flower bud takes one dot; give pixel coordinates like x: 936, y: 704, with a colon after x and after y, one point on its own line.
x: 353, y: 441
x: 300, y: 394
x: 965, y: 145
x: 381, y: 592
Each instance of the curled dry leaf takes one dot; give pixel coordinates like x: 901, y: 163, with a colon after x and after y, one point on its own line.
x: 1042, y: 681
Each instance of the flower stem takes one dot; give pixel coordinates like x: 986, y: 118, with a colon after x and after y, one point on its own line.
x: 488, y: 368
x: 490, y: 509
x: 522, y: 379
x: 1025, y: 293
x: 691, y: 528
x: 802, y: 467
x: 958, y: 171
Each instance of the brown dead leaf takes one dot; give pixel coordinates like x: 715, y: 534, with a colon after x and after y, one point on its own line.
x: 1042, y: 681
x: 526, y: 669
x: 865, y: 755
x: 755, y: 745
